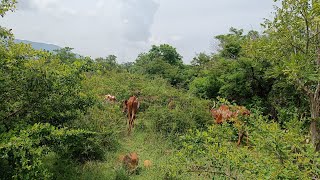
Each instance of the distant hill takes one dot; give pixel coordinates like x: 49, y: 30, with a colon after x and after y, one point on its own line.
x: 38, y: 45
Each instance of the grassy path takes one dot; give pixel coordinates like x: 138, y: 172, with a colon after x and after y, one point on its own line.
x: 142, y: 140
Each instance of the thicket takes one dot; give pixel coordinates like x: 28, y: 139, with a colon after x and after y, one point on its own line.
x: 53, y: 109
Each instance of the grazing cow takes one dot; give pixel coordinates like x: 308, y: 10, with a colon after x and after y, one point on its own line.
x: 130, y: 161
x: 147, y: 164
x: 110, y: 98
x: 131, y: 106
x: 231, y: 114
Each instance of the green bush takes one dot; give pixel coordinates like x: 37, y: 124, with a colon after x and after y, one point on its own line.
x: 22, y: 151
x: 272, y: 153
x: 81, y: 145
x: 168, y: 122
x: 45, y: 89
x: 187, y: 114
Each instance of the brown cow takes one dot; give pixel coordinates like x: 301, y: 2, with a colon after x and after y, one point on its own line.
x: 230, y: 114
x: 130, y: 161
x: 131, y: 106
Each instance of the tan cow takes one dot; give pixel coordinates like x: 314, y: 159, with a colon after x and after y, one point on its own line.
x: 147, y: 164
x: 110, y: 98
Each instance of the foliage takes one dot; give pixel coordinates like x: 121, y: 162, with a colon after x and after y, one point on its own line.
x: 163, y: 61
x: 7, y: 5
x: 273, y: 153
x: 167, y: 53
x: 230, y: 44
x: 107, y: 64
x: 66, y: 55
x: 201, y: 60
x: 242, y: 80
x: 294, y: 35
x: 45, y: 89
x: 23, y: 152
x: 53, y: 113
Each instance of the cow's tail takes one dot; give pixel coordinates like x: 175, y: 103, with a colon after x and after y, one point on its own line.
x: 138, y: 103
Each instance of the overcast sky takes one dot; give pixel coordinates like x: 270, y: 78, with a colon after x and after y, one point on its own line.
x: 125, y: 28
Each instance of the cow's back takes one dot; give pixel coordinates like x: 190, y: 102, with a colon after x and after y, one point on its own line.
x: 133, y: 104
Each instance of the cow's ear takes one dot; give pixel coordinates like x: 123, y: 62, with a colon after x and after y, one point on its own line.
x: 125, y: 102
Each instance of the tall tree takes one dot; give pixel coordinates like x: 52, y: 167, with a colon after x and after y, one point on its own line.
x: 230, y: 44
x: 294, y: 47
x: 163, y: 61
x: 108, y: 63
x: 166, y: 52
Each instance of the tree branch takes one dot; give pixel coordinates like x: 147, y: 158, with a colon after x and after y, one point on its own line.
x: 290, y: 39
x: 300, y: 49
x: 14, y: 113
x: 305, y: 88
x: 307, y: 29
x: 317, y: 92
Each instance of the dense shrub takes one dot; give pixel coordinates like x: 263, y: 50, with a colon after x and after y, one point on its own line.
x: 36, y: 87
x: 273, y: 153
x: 22, y: 152
x: 188, y: 114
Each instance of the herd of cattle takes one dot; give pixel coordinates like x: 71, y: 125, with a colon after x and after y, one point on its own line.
x: 224, y: 113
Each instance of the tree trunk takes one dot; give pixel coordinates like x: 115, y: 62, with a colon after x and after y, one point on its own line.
x: 315, y: 115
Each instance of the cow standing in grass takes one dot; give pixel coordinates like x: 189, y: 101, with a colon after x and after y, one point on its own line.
x: 131, y: 106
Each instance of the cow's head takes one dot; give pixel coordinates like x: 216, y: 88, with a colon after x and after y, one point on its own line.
x: 134, y: 159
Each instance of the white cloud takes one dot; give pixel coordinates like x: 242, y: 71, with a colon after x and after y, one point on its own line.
x: 138, y: 16
x: 38, y: 4
x: 128, y: 27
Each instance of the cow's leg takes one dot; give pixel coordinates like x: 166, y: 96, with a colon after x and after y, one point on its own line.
x: 128, y: 115
x: 129, y: 122
x: 133, y: 117
x: 240, y: 135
